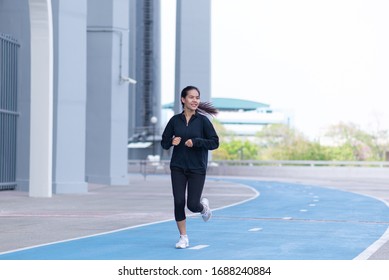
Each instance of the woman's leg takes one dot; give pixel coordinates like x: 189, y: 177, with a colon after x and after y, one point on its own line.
x: 195, y: 190
x: 179, y: 182
x: 181, y: 225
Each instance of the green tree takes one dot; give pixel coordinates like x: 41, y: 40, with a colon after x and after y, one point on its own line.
x: 280, y: 142
x: 236, y: 150
x: 349, y: 136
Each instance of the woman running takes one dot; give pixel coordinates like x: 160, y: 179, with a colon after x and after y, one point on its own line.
x: 192, y: 135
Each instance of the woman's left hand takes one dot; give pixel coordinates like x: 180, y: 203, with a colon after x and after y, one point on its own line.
x: 189, y: 143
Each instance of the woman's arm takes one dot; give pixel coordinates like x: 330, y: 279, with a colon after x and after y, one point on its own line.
x: 210, y: 140
x: 167, y: 136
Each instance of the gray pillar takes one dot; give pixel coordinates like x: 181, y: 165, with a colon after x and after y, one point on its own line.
x: 193, y: 48
x: 107, y: 92
x: 69, y: 19
x: 41, y: 117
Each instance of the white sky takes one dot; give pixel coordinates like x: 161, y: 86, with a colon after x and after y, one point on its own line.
x: 326, y: 61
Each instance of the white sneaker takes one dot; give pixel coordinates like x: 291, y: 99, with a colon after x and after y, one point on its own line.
x: 206, y: 213
x: 183, y: 242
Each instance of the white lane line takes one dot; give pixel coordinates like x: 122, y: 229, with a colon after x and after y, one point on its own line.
x: 255, y: 229
x: 198, y: 247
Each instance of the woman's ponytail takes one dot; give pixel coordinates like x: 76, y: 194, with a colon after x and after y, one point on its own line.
x: 207, y: 108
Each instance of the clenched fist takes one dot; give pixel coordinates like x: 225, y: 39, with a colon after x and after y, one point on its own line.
x: 189, y: 143
x: 176, y: 141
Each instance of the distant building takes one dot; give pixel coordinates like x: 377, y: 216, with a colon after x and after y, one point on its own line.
x: 239, y: 116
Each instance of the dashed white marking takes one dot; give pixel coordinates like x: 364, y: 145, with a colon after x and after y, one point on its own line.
x: 303, y: 210
x: 287, y: 218
x: 198, y: 247
x: 312, y: 205
x: 255, y: 229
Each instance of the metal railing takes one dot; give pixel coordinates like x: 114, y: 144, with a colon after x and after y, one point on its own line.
x: 247, y: 167
x: 8, y: 110
x: 312, y: 163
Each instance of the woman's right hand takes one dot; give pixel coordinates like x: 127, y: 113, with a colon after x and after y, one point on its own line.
x: 176, y: 141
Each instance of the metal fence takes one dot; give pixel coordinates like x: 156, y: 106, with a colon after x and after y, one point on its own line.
x: 276, y: 168
x: 8, y: 110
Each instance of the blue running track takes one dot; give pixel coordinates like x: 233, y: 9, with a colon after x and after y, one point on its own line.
x: 284, y: 222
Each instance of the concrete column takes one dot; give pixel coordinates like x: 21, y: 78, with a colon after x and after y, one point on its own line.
x: 70, y: 20
x: 107, y: 92
x: 193, y: 48
x: 41, y: 118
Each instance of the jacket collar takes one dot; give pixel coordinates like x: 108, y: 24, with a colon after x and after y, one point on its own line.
x: 195, y: 115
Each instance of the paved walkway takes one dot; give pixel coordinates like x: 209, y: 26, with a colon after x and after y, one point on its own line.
x: 28, y: 222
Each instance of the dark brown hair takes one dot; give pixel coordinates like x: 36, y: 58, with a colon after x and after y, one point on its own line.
x: 205, y: 108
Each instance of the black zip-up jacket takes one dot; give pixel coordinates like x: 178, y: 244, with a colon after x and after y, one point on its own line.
x: 204, y: 138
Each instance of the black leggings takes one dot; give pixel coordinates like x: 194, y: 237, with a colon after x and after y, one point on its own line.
x: 195, y: 182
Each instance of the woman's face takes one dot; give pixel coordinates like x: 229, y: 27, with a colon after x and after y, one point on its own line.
x: 192, y: 100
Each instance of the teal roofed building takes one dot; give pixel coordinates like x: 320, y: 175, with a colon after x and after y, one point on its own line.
x: 242, y: 117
